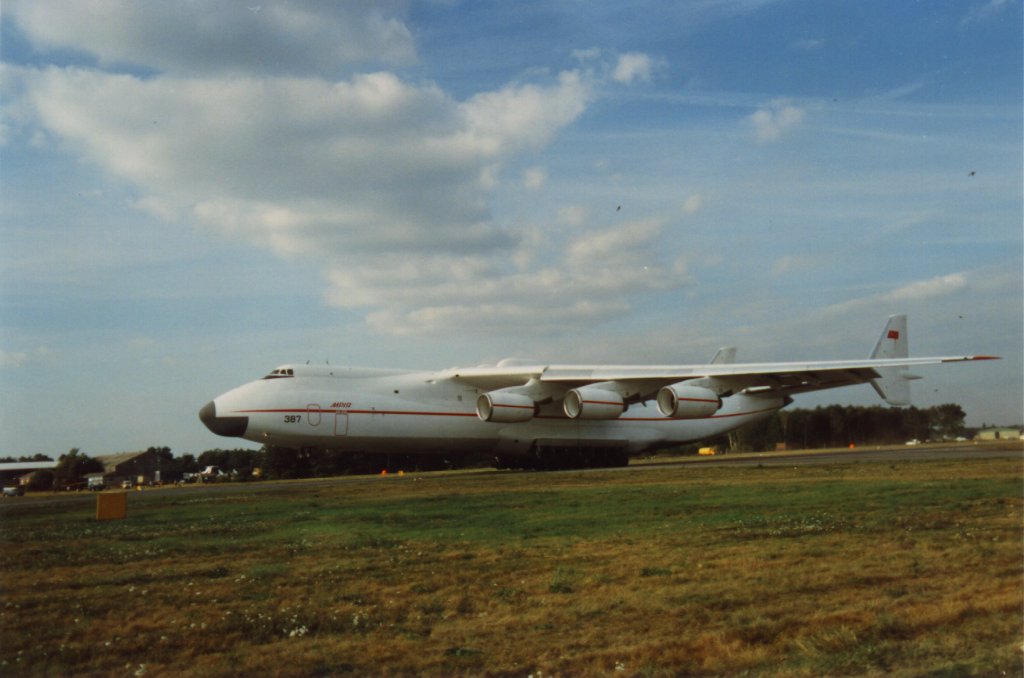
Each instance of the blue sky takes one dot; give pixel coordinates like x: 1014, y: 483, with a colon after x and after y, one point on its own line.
x: 194, y: 193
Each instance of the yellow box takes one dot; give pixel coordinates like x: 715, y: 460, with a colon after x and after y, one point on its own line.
x: 111, y: 505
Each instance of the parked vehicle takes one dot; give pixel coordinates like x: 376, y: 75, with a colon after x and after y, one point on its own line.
x: 14, y: 491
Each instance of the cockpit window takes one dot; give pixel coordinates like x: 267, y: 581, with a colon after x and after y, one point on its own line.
x: 281, y: 373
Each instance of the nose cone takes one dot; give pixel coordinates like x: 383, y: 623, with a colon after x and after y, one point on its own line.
x: 222, y: 426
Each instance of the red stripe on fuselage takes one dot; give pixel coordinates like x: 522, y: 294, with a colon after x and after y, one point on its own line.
x: 473, y: 414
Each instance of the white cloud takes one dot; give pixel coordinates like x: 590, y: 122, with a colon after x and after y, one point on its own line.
x: 984, y: 11
x: 808, y: 44
x: 591, y: 279
x: 791, y: 263
x: 382, y: 184
x: 523, y: 116
x: 932, y: 288
x: 12, y: 359
x: 300, y: 36
x: 777, y: 118
x: 612, y: 244
x: 574, y: 215
x: 631, y: 67
x: 692, y: 204
x: 590, y: 54
x: 927, y: 289
x: 534, y: 178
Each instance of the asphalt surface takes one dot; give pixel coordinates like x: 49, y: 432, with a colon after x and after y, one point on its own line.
x: 954, y: 451
x: 947, y: 452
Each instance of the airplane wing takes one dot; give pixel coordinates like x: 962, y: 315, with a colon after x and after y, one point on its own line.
x: 885, y: 370
x: 777, y: 378
x: 783, y: 378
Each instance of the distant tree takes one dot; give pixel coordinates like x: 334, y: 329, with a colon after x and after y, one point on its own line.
x: 918, y: 423
x: 838, y: 426
x: 74, y: 466
x: 241, y: 462
x: 280, y: 462
x: 34, y: 457
x: 187, y: 464
x: 947, y: 421
x: 217, y: 457
x: 41, y: 481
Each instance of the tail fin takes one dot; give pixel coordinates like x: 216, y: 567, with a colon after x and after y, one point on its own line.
x: 893, y: 383
x: 725, y: 356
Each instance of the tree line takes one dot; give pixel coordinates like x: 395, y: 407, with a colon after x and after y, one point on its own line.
x: 844, y: 425
x: 831, y: 426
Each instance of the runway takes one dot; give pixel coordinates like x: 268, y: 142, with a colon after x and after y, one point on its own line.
x: 932, y: 452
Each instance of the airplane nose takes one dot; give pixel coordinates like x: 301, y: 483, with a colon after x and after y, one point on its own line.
x: 222, y: 426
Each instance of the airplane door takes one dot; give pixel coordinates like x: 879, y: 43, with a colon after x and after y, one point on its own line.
x: 341, y: 423
x: 313, y: 415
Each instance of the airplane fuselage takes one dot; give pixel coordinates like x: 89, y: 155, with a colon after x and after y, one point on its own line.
x: 395, y: 411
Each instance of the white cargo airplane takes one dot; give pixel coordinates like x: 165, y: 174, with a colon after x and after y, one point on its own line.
x: 542, y: 416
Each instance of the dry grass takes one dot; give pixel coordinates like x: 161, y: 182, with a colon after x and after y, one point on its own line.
x: 905, y: 569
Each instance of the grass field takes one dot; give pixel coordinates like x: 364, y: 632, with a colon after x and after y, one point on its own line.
x: 873, y: 568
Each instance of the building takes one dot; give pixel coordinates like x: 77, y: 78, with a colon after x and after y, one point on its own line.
x: 19, y: 472
x: 998, y: 434
x: 138, y: 468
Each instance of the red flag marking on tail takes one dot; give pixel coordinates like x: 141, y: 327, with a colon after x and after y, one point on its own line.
x: 893, y: 334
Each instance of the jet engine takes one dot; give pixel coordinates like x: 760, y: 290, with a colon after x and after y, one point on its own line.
x: 505, y: 408
x: 588, y: 402
x: 681, y: 401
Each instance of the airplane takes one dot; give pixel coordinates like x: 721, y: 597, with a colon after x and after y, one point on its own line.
x: 536, y: 416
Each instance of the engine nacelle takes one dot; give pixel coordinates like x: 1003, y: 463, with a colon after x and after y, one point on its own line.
x: 588, y: 402
x: 680, y: 401
x: 505, y: 408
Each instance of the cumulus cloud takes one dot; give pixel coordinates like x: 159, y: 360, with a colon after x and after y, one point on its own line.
x: 573, y: 215
x: 931, y: 288
x: 382, y: 183
x: 926, y: 289
x: 591, y: 280
x: 632, y: 66
x: 534, y: 178
x: 297, y: 37
x: 777, y: 118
